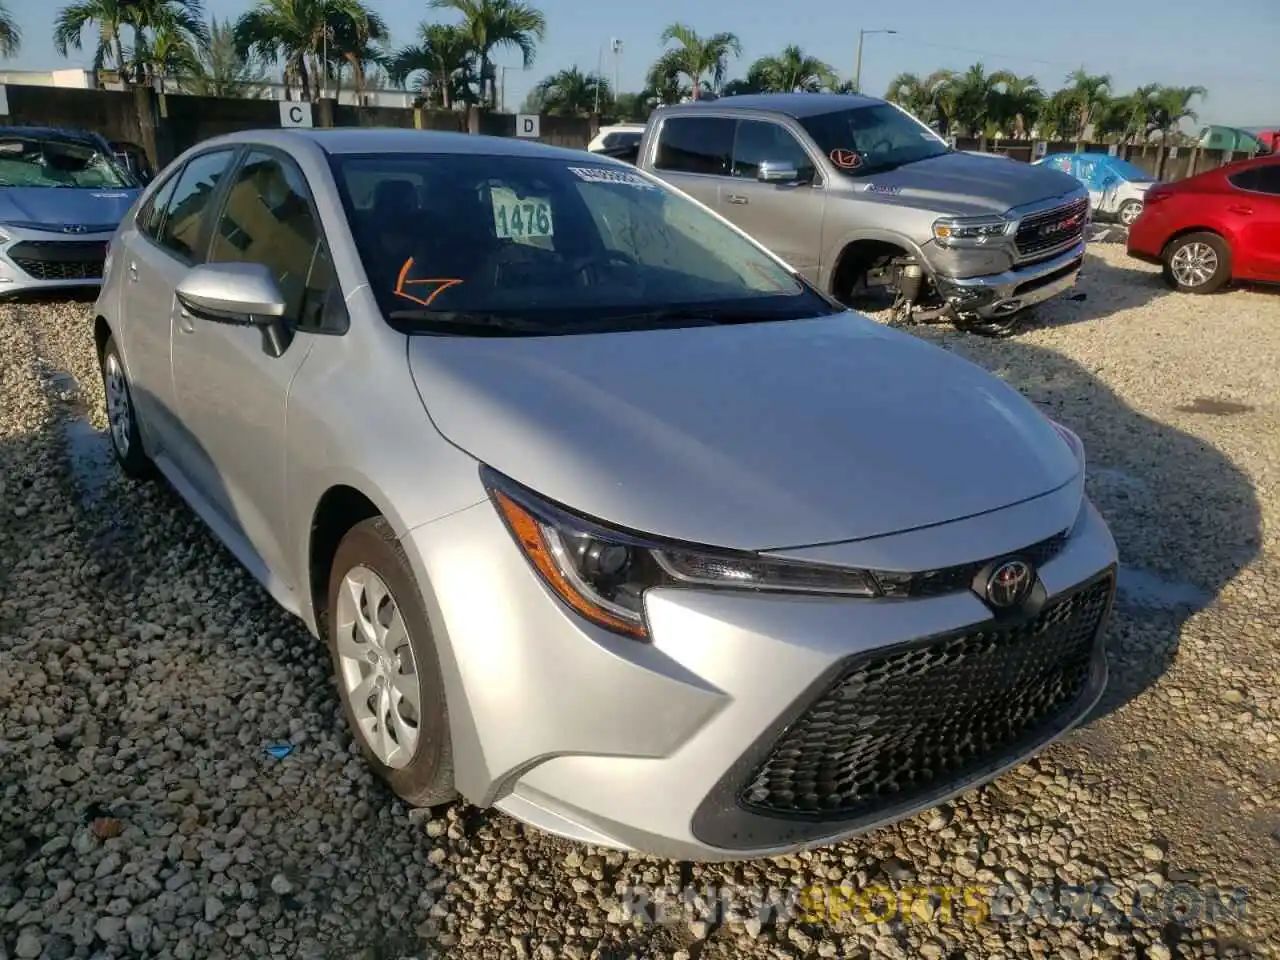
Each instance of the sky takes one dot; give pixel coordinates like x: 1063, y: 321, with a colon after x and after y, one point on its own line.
x: 1228, y: 46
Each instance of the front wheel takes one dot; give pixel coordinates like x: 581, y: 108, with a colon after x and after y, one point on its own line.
x: 1129, y: 211
x: 1197, y: 263
x: 387, y: 667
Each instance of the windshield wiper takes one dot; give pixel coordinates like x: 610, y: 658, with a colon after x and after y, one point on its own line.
x: 467, y: 323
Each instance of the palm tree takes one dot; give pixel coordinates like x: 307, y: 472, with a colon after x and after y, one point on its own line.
x: 168, y: 52
x: 695, y: 56
x: 1172, y: 106
x: 301, y: 32
x: 436, y: 64
x: 10, y: 35
x: 1091, y: 93
x: 1060, y: 116
x: 109, y: 16
x: 975, y: 95
x: 1018, y: 103
x: 491, y: 25
x: 791, y: 71
x: 355, y: 42
x: 220, y: 71
x: 572, y: 93
x: 928, y: 99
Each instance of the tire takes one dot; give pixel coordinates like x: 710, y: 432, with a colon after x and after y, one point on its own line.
x: 122, y: 417
x: 1207, y: 250
x: 1129, y: 211
x: 415, y: 761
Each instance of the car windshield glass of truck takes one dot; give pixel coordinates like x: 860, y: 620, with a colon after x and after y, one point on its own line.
x: 508, y: 246
x: 872, y: 139
x: 41, y: 162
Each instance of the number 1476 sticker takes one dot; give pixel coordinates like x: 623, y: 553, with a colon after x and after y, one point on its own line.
x: 520, y: 218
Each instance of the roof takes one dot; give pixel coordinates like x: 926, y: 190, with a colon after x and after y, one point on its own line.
x: 340, y: 140
x: 52, y: 133
x: 790, y: 104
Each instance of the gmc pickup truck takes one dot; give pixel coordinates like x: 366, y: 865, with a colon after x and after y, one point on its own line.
x: 862, y: 199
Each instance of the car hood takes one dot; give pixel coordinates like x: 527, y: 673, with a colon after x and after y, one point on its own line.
x: 56, y: 207
x: 965, y: 184
x: 752, y: 437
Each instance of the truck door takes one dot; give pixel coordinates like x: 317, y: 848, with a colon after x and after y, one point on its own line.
x: 694, y: 155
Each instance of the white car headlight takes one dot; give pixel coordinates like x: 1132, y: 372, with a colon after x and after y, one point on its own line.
x: 602, y: 573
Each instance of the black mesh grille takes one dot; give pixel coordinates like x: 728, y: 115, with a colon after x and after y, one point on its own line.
x: 933, y: 583
x: 912, y: 722
x: 1031, y: 239
x: 55, y: 270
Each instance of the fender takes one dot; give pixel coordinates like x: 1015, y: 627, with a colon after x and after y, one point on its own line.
x: 831, y: 259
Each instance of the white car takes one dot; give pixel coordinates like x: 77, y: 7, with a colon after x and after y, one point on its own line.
x: 1116, y: 187
x: 616, y: 136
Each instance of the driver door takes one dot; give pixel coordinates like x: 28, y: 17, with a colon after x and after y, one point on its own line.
x: 785, y: 217
x: 230, y: 392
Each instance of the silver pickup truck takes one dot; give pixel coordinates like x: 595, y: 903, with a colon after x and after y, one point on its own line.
x: 861, y: 198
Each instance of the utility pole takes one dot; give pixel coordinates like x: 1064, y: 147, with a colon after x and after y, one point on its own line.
x: 857, y: 70
x: 617, y: 51
x: 599, y: 67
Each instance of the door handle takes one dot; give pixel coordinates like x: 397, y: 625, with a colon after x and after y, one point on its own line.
x: 1241, y: 209
x: 133, y: 271
x: 737, y: 198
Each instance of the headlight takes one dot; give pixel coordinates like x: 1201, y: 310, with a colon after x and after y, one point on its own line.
x: 1077, y: 447
x: 603, y: 573
x: 968, y: 231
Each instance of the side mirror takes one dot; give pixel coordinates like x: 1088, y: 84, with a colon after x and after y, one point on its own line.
x: 243, y: 294
x: 771, y: 171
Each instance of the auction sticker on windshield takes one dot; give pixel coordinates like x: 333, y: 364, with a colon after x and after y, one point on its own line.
x: 520, y: 218
x: 601, y: 175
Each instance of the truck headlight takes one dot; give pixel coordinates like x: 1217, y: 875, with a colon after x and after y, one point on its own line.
x: 968, y: 231
x: 602, y: 573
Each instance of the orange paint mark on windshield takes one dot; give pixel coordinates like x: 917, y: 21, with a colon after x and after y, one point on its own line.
x: 846, y: 159
x: 442, y: 284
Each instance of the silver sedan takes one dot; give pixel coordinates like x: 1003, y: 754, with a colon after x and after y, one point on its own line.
x: 608, y: 519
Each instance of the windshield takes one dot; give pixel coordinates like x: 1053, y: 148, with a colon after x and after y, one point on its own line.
x: 1131, y: 172
x: 539, y: 245
x: 50, y: 162
x: 872, y: 139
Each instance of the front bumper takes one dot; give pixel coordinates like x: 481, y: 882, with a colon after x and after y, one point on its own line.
x: 38, y: 260
x: 1001, y: 294
x: 651, y: 746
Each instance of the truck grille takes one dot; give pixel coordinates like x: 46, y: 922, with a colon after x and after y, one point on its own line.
x: 1051, y: 229
x: 917, y: 721
x: 935, y: 583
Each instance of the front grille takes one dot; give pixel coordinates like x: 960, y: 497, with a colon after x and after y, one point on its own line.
x: 1031, y: 238
x: 933, y: 583
x: 917, y: 721
x: 55, y: 270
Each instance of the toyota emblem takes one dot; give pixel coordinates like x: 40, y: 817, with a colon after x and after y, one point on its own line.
x: 1010, y: 584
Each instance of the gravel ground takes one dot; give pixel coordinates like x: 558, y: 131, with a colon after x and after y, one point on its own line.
x: 143, y: 674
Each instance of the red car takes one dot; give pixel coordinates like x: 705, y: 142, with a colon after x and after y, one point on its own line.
x: 1218, y: 226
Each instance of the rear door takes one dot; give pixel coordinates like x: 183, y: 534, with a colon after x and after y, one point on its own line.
x: 1255, y: 209
x: 156, y: 257
x: 786, y: 217
x: 694, y: 153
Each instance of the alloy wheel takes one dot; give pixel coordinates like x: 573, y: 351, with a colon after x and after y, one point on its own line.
x: 378, y: 672
x: 1194, y: 264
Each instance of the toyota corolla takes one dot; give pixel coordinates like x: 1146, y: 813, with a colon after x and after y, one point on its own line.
x: 609, y: 520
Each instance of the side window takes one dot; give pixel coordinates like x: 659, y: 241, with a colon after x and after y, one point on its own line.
x: 268, y: 219
x: 151, y: 216
x: 180, y: 231
x: 695, y: 145
x: 759, y: 141
x: 1259, y: 179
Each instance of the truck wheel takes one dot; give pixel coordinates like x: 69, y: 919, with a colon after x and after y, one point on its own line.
x: 1197, y: 263
x: 1129, y: 211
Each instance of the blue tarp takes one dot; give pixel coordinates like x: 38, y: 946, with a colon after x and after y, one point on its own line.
x: 1097, y: 171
